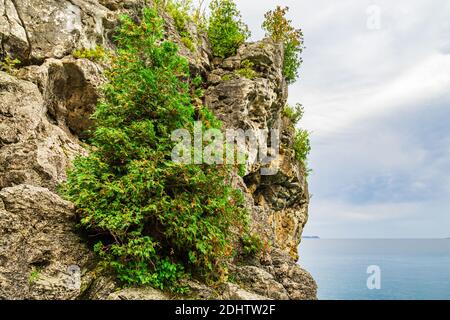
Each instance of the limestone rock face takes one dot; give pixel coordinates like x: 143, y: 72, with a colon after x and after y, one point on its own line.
x: 249, y: 103
x: 279, y: 201
x: 261, y: 282
x: 138, y: 294
x: 200, y: 54
x: 44, y: 112
x: 33, y: 151
x: 70, y: 89
x: 34, y: 30
x: 41, y: 254
x: 234, y: 292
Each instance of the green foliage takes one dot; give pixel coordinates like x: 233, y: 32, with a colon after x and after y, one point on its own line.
x: 189, y: 43
x: 242, y: 170
x: 8, y: 65
x: 251, y: 245
x: 246, y: 70
x: 197, y: 81
x: 226, y: 31
x: 227, y: 77
x: 292, y: 62
x: 98, y: 54
x: 197, y: 89
x: 34, y: 275
x: 295, y: 113
x: 280, y: 29
x: 302, y: 146
x: 180, y: 11
x: 301, y: 143
x: 183, y: 11
x: 155, y: 221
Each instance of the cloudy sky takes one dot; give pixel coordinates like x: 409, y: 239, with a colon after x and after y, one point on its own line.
x: 376, y: 88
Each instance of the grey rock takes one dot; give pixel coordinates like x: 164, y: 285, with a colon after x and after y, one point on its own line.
x: 261, y: 282
x: 40, y: 250
x: 278, y: 203
x: 234, y: 292
x: 200, y: 291
x: 298, y: 283
x: 32, y: 150
x: 70, y: 89
x: 101, y: 286
x: 42, y: 29
x: 199, y: 56
x: 138, y: 294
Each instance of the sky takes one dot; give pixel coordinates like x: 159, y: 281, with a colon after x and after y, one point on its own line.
x: 375, y: 85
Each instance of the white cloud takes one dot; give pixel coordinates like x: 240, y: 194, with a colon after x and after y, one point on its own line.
x: 377, y: 103
x: 430, y: 78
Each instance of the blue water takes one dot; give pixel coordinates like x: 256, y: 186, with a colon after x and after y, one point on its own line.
x: 410, y: 269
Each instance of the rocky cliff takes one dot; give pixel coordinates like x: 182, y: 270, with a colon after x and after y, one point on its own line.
x: 45, y: 106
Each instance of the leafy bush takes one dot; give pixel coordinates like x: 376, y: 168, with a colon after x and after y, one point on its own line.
x: 189, y: 43
x: 280, y: 29
x: 183, y: 11
x: 180, y: 11
x: 302, y: 146
x: 301, y: 143
x: 226, y: 31
x: 34, y: 275
x: 295, y: 113
x: 155, y: 221
x: 227, y: 77
x: 8, y: 65
x: 251, y: 245
x: 99, y: 54
x: 247, y: 70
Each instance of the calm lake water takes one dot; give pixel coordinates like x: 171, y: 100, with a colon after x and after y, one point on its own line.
x: 409, y: 269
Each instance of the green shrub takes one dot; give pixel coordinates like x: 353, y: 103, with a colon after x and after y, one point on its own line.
x: 8, y: 65
x: 247, y: 70
x: 242, y: 170
x: 295, y: 113
x: 189, y: 43
x: 155, y: 221
x: 197, y: 90
x: 302, y: 146
x: 301, y: 143
x: 251, y: 245
x: 226, y: 31
x: 280, y: 29
x: 34, y: 275
x: 183, y: 11
x: 98, y: 54
x: 227, y: 77
x: 180, y: 11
